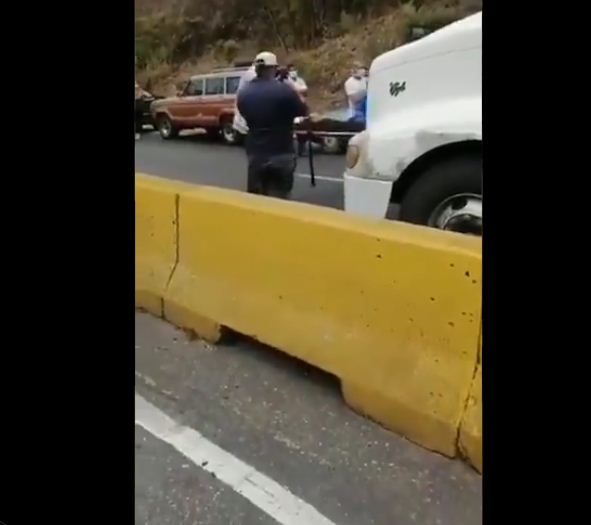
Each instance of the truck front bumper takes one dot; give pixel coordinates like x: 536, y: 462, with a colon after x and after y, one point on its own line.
x: 368, y: 197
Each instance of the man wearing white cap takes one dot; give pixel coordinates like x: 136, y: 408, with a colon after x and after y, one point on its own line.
x: 269, y: 108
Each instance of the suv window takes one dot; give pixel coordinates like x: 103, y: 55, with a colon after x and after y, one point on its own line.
x: 214, y: 86
x: 232, y: 85
x: 195, y: 88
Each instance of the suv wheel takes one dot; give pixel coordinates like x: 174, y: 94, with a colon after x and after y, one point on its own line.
x: 166, y: 128
x: 229, y: 135
x: 448, y: 196
x: 334, y: 145
x: 330, y: 145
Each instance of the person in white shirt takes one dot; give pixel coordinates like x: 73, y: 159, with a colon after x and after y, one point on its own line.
x: 298, y: 82
x: 356, y: 87
x: 239, y: 124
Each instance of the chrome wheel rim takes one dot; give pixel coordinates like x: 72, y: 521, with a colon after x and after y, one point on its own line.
x: 165, y: 127
x: 330, y: 143
x: 229, y: 133
x: 460, y: 213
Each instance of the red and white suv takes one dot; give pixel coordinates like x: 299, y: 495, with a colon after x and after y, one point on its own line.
x: 207, y: 102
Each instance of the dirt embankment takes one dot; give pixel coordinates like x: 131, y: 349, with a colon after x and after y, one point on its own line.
x: 178, y: 38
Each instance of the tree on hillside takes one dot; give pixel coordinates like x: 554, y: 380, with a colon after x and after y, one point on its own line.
x: 174, y: 30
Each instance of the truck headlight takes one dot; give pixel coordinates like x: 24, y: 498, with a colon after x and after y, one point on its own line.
x: 352, y: 156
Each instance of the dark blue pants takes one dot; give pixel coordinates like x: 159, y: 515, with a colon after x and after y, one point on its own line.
x: 271, y: 175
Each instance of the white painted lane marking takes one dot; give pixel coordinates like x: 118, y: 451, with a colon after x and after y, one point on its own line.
x: 275, y: 500
x: 320, y: 177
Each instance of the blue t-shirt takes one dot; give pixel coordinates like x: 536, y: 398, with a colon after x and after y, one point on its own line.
x: 360, y: 110
x: 269, y: 108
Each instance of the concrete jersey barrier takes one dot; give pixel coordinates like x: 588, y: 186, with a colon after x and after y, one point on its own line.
x: 155, y: 240
x: 391, y: 309
x: 470, y: 442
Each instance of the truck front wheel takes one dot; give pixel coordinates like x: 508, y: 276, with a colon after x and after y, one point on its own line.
x: 447, y: 195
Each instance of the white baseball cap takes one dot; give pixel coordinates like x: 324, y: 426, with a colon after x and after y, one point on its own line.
x: 266, y: 58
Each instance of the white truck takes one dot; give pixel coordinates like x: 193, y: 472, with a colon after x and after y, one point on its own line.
x: 422, y: 148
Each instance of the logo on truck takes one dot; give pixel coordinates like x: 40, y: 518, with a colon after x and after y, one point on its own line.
x: 397, y: 87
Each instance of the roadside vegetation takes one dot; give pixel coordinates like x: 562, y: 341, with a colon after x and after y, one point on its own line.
x: 177, y: 38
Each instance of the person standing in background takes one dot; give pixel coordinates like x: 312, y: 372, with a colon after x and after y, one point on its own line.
x: 299, y: 84
x: 356, y: 87
x: 139, y: 93
x: 270, y: 108
x: 360, y: 114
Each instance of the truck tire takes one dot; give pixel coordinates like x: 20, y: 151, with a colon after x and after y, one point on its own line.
x: 166, y: 128
x: 447, y: 195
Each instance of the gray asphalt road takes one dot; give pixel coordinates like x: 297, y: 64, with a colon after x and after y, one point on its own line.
x: 196, y: 159
x: 170, y: 490
x: 286, y: 421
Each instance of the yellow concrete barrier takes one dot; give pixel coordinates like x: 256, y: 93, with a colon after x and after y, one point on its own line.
x: 157, y: 252
x: 156, y: 207
x: 470, y: 442
x: 392, y: 309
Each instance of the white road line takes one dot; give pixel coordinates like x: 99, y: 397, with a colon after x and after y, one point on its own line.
x: 320, y: 177
x: 275, y: 500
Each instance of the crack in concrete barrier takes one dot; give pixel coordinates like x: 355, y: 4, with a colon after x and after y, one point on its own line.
x: 459, y: 450
x: 176, y: 220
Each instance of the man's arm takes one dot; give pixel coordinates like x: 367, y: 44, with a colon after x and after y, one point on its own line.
x: 240, y: 101
x: 239, y: 123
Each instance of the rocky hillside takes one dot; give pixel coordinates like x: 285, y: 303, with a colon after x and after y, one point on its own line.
x: 177, y: 38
